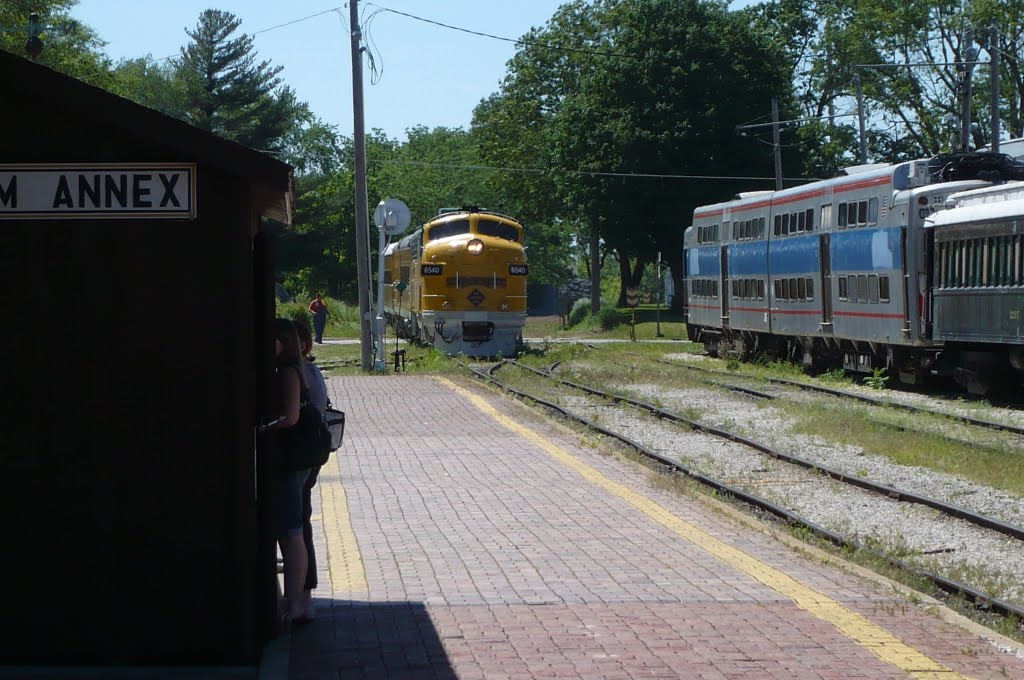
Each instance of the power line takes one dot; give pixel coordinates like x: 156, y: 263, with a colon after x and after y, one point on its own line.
x: 517, y: 41
x: 594, y: 173
x: 271, y: 28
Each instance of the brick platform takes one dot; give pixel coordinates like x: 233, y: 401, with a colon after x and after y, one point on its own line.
x: 452, y: 543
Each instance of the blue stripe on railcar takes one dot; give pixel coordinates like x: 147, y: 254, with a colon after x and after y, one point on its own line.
x: 748, y: 259
x: 794, y: 255
x: 859, y: 250
x: 703, y: 262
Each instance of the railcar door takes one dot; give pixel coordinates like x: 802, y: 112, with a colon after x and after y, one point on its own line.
x: 725, y: 286
x: 826, y: 282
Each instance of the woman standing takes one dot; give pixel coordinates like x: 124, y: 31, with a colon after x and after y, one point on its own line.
x: 290, y: 482
x: 318, y: 397
x: 318, y: 308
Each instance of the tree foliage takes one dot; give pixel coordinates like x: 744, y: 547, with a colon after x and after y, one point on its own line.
x: 69, y: 46
x: 229, y: 92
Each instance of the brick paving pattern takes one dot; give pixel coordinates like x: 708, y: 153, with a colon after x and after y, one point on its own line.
x: 485, y: 557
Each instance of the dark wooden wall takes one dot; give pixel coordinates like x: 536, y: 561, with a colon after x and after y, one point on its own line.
x: 128, y: 470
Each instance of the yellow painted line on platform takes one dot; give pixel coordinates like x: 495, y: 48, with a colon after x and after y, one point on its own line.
x: 344, y: 561
x: 876, y: 639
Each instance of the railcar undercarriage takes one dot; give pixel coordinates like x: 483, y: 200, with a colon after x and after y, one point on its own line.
x: 978, y: 370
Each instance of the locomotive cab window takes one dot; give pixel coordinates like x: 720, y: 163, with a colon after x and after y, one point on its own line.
x: 446, y: 229
x: 497, y: 230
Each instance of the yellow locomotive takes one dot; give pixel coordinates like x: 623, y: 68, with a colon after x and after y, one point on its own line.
x: 459, y: 283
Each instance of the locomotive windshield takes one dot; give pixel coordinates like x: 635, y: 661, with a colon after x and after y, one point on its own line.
x: 497, y: 230
x: 446, y: 229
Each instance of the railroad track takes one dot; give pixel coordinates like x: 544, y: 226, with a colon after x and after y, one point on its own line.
x: 841, y: 394
x: 945, y: 584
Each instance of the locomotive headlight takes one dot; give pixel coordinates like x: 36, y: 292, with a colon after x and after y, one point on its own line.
x: 475, y: 247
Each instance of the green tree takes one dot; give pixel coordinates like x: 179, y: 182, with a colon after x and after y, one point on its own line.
x: 691, y: 72
x: 229, y: 92
x: 150, y: 83
x: 69, y: 46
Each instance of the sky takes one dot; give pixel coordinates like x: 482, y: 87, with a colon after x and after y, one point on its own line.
x: 430, y: 75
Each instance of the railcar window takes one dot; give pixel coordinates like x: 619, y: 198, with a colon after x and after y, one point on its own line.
x: 785, y: 289
x: 842, y: 288
x: 801, y: 222
x: 777, y: 287
x: 497, y: 230
x: 785, y: 223
x: 760, y: 289
x: 873, y: 288
x: 883, y: 287
x: 976, y: 262
x: 988, y: 270
x: 852, y: 287
x: 842, y: 215
x: 862, y: 287
x: 873, y: 211
x: 801, y: 285
x: 1004, y: 260
x: 388, y: 277
x: 826, y: 216
x: 778, y: 225
x: 1016, y: 261
x: 453, y: 228
x: 810, y: 288
x: 960, y: 257
x: 760, y: 227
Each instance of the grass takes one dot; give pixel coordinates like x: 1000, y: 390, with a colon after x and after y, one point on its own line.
x: 842, y: 424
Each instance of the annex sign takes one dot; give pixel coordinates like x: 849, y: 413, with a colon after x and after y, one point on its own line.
x: 79, y: 191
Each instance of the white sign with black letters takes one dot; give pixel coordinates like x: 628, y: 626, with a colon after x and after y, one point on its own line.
x: 49, y: 191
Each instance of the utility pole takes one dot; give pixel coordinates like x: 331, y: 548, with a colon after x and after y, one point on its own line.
x: 362, y: 211
x: 993, y: 55
x: 776, y: 149
x: 965, y: 111
x: 860, y: 120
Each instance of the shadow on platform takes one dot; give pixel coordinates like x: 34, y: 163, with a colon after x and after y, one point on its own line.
x: 369, y: 640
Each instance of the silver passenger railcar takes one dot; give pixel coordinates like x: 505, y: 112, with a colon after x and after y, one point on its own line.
x: 834, y: 273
